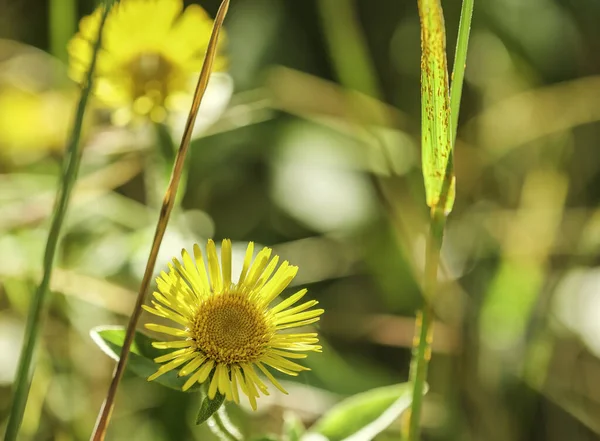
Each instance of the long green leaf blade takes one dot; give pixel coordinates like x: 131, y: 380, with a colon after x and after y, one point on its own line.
x: 436, y: 130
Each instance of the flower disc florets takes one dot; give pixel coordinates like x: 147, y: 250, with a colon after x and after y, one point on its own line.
x: 228, y: 328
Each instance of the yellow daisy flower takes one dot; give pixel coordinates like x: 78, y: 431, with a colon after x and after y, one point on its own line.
x: 228, y: 328
x: 151, y: 53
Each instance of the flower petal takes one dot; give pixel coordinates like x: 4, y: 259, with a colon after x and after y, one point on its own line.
x: 191, y: 366
x: 247, y: 262
x: 226, y: 262
x: 271, y: 378
x: 213, y: 267
x: 167, y: 330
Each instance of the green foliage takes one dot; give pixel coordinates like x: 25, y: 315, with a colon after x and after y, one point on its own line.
x: 436, y: 127
x: 364, y: 415
x: 141, y: 360
x: 209, y: 407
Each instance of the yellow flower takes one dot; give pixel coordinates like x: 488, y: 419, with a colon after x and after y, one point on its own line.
x: 228, y: 328
x: 32, y: 121
x: 151, y: 54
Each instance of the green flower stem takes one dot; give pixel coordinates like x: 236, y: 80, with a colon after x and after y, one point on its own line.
x: 71, y: 163
x: 220, y: 424
x: 164, y: 156
x: 347, y: 46
x: 62, y: 19
x: 157, y: 165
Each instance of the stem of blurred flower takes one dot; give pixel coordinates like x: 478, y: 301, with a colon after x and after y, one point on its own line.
x: 424, y: 326
x: 167, y: 150
x: 352, y: 63
x: 167, y: 206
x: 157, y: 167
x: 71, y: 163
x: 347, y: 46
x: 222, y: 427
x: 62, y: 26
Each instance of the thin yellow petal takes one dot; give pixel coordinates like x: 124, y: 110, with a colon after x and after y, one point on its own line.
x: 282, y: 278
x: 289, y: 301
x: 189, y: 273
x: 234, y: 386
x: 251, y: 391
x: 213, y: 267
x: 267, y: 273
x: 170, y: 366
x: 212, y: 389
x: 249, y: 373
x: 271, y: 378
x: 287, y: 354
x: 172, y: 355
x: 297, y: 324
x: 191, y: 381
x: 172, y: 315
x: 247, y: 261
x: 279, y: 362
x: 226, y: 262
x: 258, y: 267
x: 224, y: 383
x: 297, y: 309
x: 201, y: 267
x: 191, y: 366
x: 167, y: 330
x: 240, y: 378
x: 300, y: 317
x: 206, y: 369
x: 172, y: 344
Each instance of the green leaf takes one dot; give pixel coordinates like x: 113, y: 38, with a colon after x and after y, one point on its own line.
x: 363, y: 416
x: 141, y: 359
x: 209, y: 407
x: 293, y: 429
x: 436, y: 130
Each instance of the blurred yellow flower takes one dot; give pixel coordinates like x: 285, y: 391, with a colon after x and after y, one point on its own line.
x: 151, y: 53
x: 33, y: 121
x: 228, y: 328
x: 36, y: 103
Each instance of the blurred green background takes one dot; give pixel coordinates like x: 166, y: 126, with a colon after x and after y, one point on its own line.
x: 311, y: 146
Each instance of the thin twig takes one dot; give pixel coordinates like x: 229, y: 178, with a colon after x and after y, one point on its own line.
x: 71, y: 163
x: 168, y: 201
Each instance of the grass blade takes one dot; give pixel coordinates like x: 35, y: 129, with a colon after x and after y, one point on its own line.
x: 440, y: 110
x: 165, y: 212
x: 436, y: 135
x: 71, y: 163
x: 460, y: 62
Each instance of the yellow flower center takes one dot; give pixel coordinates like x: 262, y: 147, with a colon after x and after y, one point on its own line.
x: 228, y: 328
x: 153, y: 78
